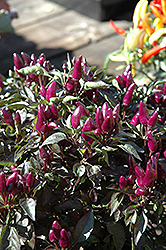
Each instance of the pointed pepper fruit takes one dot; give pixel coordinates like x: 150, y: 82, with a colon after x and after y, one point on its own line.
x: 43, y: 153
x: 76, y: 116
x: 99, y: 118
x: 157, y: 13
x: 104, y: 109
x: 143, y: 113
x: 107, y: 125
x: 152, y: 143
x: 77, y: 71
x: 132, y: 163
x: 13, y: 178
x: 52, y: 236
x: 161, y: 173
x: 151, y: 100
x: 64, y: 241
x: 47, y: 112
x: 26, y: 57
x: 56, y: 227
x: 121, y: 81
x: 17, y: 61
x: 153, y: 161
x: 54, y: 111
x: 30, y: 180
x: 85, y: 111
x: 119, y: 30
x: 152, y: 52
x: 140, y: 173
x: 130, y: 180
x: 2, y: 182
x: 126, y: 71
x: 40, y: 118
x: 129, y: 79
x: 51, y: 91
x: 17, y: 117
x: 140, y: 191
x: 123, y: 182
x: 7, y: 114
x: 88, y: 126
x: 128, y: 95
x: 115, y: 112
x: 135, y: 119
x: 97, y: 132
x: 148, y: 180
x: 42, y: 91
x: 153, y: 119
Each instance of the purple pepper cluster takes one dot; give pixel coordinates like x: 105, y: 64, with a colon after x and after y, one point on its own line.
x: 46, y: 119
x: 142, y: 117
x: 154, y: 173
x: 13, y: 184
x: 28, y: 60
x: 60, y: 234
x: 9, y: 119
x: 46, y: 156
x: 126, y: 79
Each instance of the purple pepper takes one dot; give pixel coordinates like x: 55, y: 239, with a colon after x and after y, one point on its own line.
x: 97, y: 132
x: 151, y: 100
x: 13, y: 178
x: 64, y: 241
x: 140, y: 191
x: 99, y: 118
x: 51, y: 91
x: 40, y: 118
x: 130, y: 180
x: 42, y: 91
x: 56, y: 227
x: 2, y: 182
x: 26, y: 57
x: 135, y: 119
x: 85, y: 111
x: 132, y: 163
x: 8, y: 117
x: 107, y: 125
x: 153, y: 119
x: 52, y: 236
x: 152, y: 143
x: 115, y: 112
x: 143, y: 113
x: 123, y: 182
x: 54, y: 111
x: 47, y: 112
x: 88, y: 126
x: 148, y: 180
x: 77, y: 71
x: 43, y: 153
x: 126, y: 71
x: 1, y: 83
x: 121, y: 82
x: 75, y: 118
x: 128, y: 95
x: 104, y: 109
x: 129, y: 79
x: 30, y: 180
x: 140, y: 173
x: 17, y: 61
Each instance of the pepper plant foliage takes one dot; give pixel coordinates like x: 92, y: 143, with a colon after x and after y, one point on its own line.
x: 82, y: 158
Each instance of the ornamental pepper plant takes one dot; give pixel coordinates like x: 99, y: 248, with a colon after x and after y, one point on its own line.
x: 145, y: 42
x: 82, y: 158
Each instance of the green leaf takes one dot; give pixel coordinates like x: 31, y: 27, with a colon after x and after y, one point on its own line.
x: 69, y: 98
x: 115, y: 202
x: 18, y: 105
x: 128, y: 148
x: 34, y: 70
x: 140, y: 227
x: 95, y: 85
x: 84, y: 227
x: 54, y: 138
x: 14, y: 239
x: 5, y: 22
x: 4, y: 237
x: 118, y: 232
x: 29, y: 94
x: 28, y: 205
x: 79, y: 169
